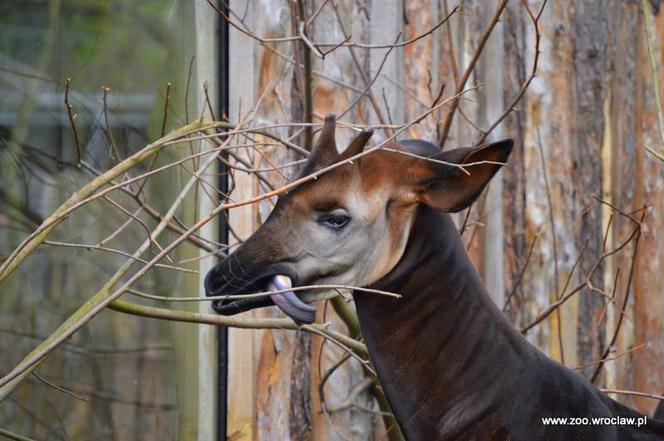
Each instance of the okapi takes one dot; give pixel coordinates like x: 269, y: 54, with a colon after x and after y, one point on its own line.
x: 450, y: 363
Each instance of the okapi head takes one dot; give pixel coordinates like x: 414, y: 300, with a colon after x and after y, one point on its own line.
x: 350, y: 225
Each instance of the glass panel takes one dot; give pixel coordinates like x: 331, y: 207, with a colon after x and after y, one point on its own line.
x: 116, y: 379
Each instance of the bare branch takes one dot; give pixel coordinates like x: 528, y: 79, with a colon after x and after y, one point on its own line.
x: 72, y: 117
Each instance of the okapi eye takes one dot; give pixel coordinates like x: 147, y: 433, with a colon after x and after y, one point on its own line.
x: 336, y: 219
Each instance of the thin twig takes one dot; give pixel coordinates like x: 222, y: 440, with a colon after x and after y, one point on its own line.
x: 254, y: 323
x: 554, y: 242
x: 113, y: 151
x: 522, y: 272
x: 592, y: 363
x: 167, y: 98
x: 397, y: 44
x: 633, y: 392
x: 106, y: 294
x: 469, y: 70
x: 626, y: 296
x: 14, y: 436
x: 91, y: 247
x: 359, y: 68
x: 263, y: 40
x: 318, y: 10
x: 566, y: 296
x: 371, y: 82
x: 72, y: 117
x: 533, y: 73
x: 60, y: 214
x: 261, y: 294
x: 59, y: 388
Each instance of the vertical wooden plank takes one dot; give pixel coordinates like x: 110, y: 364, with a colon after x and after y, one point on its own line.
x: 546, y: 130
x: 492, y: 106
x: 273, y: 386
x: 241, y: 364
x: 457, y: 44
x: 624, y: 177
x: 514, y: 191
x: 300, y: 363
x: 608, y: 156
x: 185, y: 337
x: 332, y: 98
x: 386, y: 24
x: 558, y: 130
x: 350, y: 423
x: 422, y: 76
x: 590, y: 33
x: 299, y: 422
x: 649, y: 302
x: 207, y: 72
x: 275, y: 348
x: 466, y: 29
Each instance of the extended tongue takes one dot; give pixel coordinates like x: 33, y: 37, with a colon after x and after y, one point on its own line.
x: 290, y: 303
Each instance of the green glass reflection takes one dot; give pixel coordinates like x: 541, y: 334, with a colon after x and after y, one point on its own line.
x: 117, y: 377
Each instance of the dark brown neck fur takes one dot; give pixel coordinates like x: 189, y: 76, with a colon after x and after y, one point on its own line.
x: 452, y: 366
x: 427, y: 343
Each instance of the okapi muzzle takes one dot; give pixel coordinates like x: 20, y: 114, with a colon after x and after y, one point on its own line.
x: 256, y: 268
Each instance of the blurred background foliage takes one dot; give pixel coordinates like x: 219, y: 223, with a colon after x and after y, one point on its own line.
x: 120, y: 378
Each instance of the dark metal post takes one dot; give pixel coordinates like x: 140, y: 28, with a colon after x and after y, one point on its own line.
x: 222, y: 332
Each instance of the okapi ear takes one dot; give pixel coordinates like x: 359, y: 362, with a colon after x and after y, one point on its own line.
x: 357, y: 145
x: 449, y: 188
x: 324, y: 152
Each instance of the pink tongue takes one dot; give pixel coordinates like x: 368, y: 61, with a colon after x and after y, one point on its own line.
x: 290, y: 303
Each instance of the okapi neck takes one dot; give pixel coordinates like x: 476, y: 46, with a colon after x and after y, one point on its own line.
x: 443, y: 352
